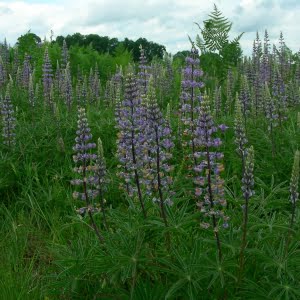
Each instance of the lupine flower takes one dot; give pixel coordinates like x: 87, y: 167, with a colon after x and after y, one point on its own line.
x: 51, y: 97
x: 78, y: 93
x: 266, y: 65
x: 58, y: 80
x: 5, y: 53
x: 117, y: 84
x: 3, y: 73
x: 95, y: 85
x: 169, y: 76
x: 114, y: 88
x: 257, y: 53
x: 190, y: 98
x: 79, y: 75
x: 279, y: 93
x: 292, y: 94
x: 118, y: 116
x: 37, y: 91
x: 244, y: 96
x: 247, y: 188
x: 26, y: 71
x: 270, y: 108
x: 157, y: 74
x: 108, y: 93
x: 257, y: 93
x: 239, y: 130
x: 168, y: 115
x: 131, y: 140
x: 86, y: 168
x: 144, y: 72
x: 31, y: 95
x: 18, y: 75
x: 229, y: 92
x: 47, y: 77
x: 248, y: 70
x: 210, y: 185
x: 84, y: 92
x: 16, y: 62
x: 64, y: 55
x: 248, y: 178
x: 159, y: 144
x: 67, y: 87
x: 294, y: 184
x: 8, y: 121
x: 102, y: 178
x: 271, y: 114
x: 282, y: 57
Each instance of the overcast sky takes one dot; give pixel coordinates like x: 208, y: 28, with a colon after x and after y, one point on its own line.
x: 167, y: 22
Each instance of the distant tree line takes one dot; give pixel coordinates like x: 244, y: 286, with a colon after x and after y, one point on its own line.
x: 105, y: 44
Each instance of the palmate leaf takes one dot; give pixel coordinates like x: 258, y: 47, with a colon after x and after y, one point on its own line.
x: 186, y: 268
x: 285, y: 290
x: 148, y: 290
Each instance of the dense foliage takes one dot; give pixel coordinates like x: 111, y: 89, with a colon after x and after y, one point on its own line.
x: 104, y: 44
x: 148, y: 180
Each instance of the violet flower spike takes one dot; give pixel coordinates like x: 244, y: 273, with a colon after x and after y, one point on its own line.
x: 47, y: 78
x: 8, y: 121
x: 132, y: 140
x: 86, y: 168
x: 159, y: 144
x: 210, y: 190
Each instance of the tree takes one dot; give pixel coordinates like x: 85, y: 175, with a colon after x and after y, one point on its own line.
x: 28, y: 43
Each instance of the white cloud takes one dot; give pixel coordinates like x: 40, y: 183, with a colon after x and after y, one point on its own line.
x: 167, y: 22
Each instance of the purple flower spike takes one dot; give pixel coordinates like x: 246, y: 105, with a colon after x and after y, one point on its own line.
x: 132, y: 139
x: 87, y: 168
x: 8, y: 120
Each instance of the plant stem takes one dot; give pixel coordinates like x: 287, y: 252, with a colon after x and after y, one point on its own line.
x: 244, y: 241
x: 161, y: 200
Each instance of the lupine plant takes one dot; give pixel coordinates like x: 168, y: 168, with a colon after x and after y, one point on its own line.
x: 47, y: 78
x: 190, y: 99
x: 144, y: 72
x: 64, y: 55
x: 248, y: 191
x: 67, y: 87
x: 32, y: 99
x: 26, y: 71
x: 271, y: 115
x: 159, y: 144
x: 245, y: 98
x: 278, y: 92
x: 132, y: 140
x: 86, y: 170
x: 8, y: 121
x: 3, y: 73
x: 210, y: 186
x: 239, y: 131
x: 100, y: 171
